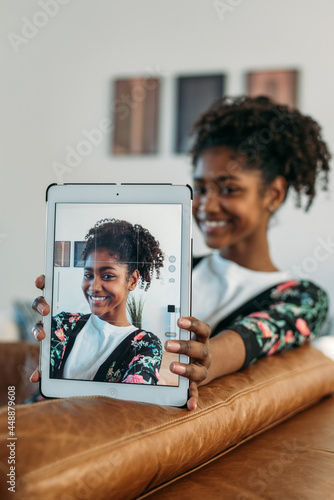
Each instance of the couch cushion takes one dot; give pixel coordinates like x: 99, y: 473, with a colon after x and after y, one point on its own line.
x: 292, y: 461
x: 99, y: 448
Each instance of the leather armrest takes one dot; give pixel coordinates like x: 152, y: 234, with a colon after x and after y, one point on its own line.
x: 100, y: 448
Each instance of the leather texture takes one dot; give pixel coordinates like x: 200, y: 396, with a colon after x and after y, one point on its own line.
x: 101, y: 448
x: 293, y: 461
x: 17, y: 361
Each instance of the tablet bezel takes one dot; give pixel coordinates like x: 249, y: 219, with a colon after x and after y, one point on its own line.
x: 118, y: 194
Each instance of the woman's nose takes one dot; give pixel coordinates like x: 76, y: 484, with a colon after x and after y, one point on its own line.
x: 95, y: 285
x: 209, y: 202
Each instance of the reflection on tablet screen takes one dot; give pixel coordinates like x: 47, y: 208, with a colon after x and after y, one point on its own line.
x: 116, y: 292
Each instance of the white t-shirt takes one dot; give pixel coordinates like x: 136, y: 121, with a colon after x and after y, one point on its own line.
x: 92, y: 346
x: 221, y: 286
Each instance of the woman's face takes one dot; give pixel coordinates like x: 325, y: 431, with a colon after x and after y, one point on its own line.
x: 229, y: 206
x: 106, y: 286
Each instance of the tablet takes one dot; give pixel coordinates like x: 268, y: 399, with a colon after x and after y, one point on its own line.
x: 117, y: 278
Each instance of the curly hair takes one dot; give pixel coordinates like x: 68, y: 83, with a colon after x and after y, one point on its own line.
x: 274, y: 139
x: 130, y: 244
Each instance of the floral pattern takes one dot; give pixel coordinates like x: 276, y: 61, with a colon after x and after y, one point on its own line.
x: 60, y: 336
x: 136, y: 360
x: 293, y: 315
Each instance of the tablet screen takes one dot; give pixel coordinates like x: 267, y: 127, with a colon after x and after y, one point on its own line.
x: 116, y: 292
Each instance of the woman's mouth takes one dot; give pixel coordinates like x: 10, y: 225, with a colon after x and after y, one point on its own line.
x: 212, y: 225
x: 97, y: 300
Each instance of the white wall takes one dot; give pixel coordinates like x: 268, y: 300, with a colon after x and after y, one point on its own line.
x: 59, y: 83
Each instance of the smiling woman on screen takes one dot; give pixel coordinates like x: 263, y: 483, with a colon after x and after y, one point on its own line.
x: 104, y: 346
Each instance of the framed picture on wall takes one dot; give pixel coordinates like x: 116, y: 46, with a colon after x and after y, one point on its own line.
x: 280, y: 85
x: 62, y: 253
x: 78, y: 249
x: 194, y: 94
x: 136, y: 116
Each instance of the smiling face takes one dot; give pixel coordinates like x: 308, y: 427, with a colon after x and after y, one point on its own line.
x: 230, y: 205
x: 106, y: 284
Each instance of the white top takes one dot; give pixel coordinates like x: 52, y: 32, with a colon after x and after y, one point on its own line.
x: 92, y: 346
x: 221, y: 286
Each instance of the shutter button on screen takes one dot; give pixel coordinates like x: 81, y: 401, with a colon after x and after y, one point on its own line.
x: 112, y: 393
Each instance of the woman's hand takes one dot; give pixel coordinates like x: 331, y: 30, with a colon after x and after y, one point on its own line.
x: 197, y: 350
x: 39, y: 305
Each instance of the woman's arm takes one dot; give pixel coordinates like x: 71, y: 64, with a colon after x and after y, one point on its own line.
x: 295, y: 313
x: 293, y: 317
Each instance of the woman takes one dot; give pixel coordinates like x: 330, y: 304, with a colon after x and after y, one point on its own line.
x: 247, y: 154
x: 103, y: 346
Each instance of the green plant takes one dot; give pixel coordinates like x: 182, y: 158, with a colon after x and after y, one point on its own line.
x: 135, y: 310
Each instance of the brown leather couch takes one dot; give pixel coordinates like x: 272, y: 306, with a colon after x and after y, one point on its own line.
x: 264, y: 432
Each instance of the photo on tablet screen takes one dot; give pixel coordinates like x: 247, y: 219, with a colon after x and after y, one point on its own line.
x: 118, y: 300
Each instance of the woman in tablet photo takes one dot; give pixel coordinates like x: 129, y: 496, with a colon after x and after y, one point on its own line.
x: 247, y: 154
x: 103, y: 346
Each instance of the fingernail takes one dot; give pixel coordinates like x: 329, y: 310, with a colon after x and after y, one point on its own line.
x: 191, y: 406
x: 185, y: 323
x: 31, y: 376
x: 173, y: 346
x: 36, y: 332
x: 40, y: 308
x: 178, y: 369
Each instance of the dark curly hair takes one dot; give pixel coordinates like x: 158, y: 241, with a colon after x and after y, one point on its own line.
x: 274, y: 139
x: 130, y: 244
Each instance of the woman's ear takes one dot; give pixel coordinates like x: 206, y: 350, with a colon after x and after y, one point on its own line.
x: 276, y: 193
x: 133, y: 281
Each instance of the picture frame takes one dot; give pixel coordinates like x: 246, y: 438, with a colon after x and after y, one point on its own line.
x: 78, y: 249
x: 279, y: 85
x: 136, y: 116
x: 194, y: 95
x: 62, y: 254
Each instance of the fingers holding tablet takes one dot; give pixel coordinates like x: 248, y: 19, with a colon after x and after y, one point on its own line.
x: 38, y: 331
x: 193, y: 396
x: 39, y: 305
x: 35, y: 376
x: 42, y: 307
x: 196, y: 349
x: 40, y: 282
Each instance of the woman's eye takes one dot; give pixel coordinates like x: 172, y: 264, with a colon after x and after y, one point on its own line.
x: 220, y: 190
x: 199, y: 190
x: 88, y: 276
x: 226, y: 190
x: 108, y: 276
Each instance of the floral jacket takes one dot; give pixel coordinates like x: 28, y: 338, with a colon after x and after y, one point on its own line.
x: 283, y: 316
x: 137, y: 359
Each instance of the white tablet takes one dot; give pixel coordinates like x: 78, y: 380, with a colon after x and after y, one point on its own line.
x: 117, y: 277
